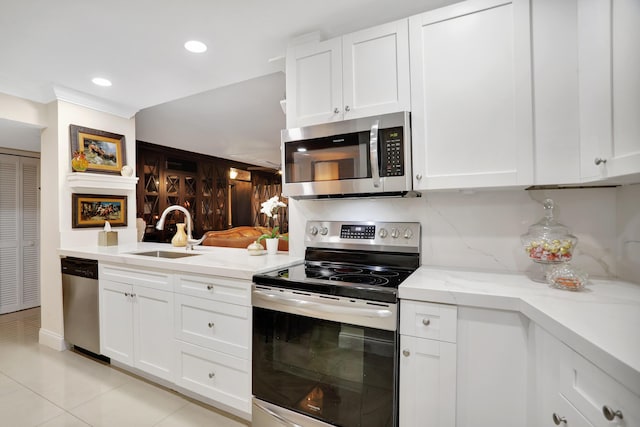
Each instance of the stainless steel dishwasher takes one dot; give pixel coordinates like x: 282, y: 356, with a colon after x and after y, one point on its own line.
x: 80, y: 303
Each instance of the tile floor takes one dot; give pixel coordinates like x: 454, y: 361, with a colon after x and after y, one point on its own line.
x: 43, y: 387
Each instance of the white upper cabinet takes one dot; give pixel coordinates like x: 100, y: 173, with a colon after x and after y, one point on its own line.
x: 587, y: 90
x: 471, y: 95
x: 609, y: 87
x: 357, y: 75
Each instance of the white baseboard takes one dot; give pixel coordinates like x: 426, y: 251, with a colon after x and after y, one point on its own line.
x: 52, y: 340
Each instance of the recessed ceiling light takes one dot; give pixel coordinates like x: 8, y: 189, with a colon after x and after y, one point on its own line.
x: 101, y: 81
x: 195, y: 46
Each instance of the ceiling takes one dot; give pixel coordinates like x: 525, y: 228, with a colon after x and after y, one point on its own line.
x: 224, y: 102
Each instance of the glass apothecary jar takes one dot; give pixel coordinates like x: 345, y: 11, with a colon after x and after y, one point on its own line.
x: 548, y: 242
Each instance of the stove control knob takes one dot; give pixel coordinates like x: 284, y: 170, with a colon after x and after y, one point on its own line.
x: 313, y: 230
x: 395, y: 233
x: 408, y: 233
x: 383, y: 233
x: 324, y: 231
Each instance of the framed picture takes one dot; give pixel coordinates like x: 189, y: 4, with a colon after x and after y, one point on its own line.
x: 105, y: 151
x: 93, y: 210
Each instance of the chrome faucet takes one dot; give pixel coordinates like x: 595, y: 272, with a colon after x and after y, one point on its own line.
x: 191, y: 242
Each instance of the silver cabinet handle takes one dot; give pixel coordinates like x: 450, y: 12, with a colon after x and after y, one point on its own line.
x: 132, y: 295
x: 406, y: 353
x: 426, y: 322
x: 211, y: 324
x: 418, y: 176
x: 599, y: 161
x: 557, y: 420
x: 610, y: 414
x: 212, y: 374
x: 373, y: 151
x: 336, y: 110
x: 210, y: 287
x: 346, y: 108
x: 126, y: 294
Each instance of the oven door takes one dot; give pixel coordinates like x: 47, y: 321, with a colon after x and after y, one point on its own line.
x: 332, y: 360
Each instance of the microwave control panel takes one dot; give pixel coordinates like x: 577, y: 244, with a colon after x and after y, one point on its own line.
x: 391, y: 152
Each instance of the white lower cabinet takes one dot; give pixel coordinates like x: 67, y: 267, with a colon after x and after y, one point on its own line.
x: 191, y: 330
x: 573, y: 392
x: 427, y: 366
x: 213, y: 339
x: 136, y: 326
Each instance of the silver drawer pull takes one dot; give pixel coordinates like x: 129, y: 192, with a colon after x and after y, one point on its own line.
x: 211, y: 324
x: 126, y: 294
x: 406, y: 353
x: 610, y: 414
x: 210, y: 287
x: 598, y: 161
x: 211, y: 374
x: 557, y: 420
x: 426, y: 322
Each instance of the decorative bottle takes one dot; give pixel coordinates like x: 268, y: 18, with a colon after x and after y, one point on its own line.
x: 180, y: 238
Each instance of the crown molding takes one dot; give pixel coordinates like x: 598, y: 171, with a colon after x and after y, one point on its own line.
x: 89, y: 101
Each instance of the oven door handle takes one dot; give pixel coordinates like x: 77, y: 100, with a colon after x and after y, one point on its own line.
x: 311, y: 306
x: 373, y: 151
x: 275, y: 415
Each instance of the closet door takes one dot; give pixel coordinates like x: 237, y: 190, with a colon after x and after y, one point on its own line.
x: 9, y: 205
x: 19, y: 233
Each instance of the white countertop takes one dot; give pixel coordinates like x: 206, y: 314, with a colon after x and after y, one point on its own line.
x: 212, y: 260
x: 600, y: 322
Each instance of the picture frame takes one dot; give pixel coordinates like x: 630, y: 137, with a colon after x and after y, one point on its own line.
x: 105, y: 151
x: 91, y: 210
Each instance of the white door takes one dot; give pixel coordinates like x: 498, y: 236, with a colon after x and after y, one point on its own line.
x: 375, y: 76
x: 153, y: 331
x: 116, y: 321
x: 471, y: 95
x: 314, y: 83
x: 609, y: 87
x: 427, y: 382
x: 19, y: 233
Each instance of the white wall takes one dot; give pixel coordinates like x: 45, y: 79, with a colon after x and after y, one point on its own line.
x: 482, y: 230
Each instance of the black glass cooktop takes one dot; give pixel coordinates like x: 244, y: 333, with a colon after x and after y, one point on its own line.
x: 347, y: 279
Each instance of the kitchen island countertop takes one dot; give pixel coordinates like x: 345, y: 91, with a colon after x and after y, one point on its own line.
x: 598, y: 322
x: 219, y: 261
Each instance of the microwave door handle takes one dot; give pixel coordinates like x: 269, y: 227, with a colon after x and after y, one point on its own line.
x: 373, y: 151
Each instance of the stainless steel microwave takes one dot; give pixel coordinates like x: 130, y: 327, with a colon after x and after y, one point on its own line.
x: 359, y: 157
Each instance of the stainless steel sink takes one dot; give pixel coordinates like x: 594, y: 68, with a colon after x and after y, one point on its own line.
x: 164, y: 254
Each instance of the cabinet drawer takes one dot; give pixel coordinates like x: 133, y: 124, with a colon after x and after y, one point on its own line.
x: 212, y: 324
x: 428, y: 320
x: 217, y: 376
x: 216, y: 288
x: 590, y: 389
x: 141, y: 277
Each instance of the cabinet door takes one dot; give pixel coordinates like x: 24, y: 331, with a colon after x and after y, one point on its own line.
x: 375, y: 76
x: 116, y: 321
x: 153, y: 331
x: 609, y: 81
x: 314, y: 83
x: 471, y: 95
x: 427, y: 383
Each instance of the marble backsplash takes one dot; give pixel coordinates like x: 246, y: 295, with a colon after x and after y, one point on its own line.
x: 481, y: 229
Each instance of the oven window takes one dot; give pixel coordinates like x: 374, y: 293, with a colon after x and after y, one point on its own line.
x: 328, y: 159
x: 338, y: 373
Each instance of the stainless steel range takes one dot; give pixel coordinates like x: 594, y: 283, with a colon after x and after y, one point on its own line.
x: 325, y: 333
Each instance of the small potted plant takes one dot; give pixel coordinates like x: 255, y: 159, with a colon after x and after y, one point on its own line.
x: 270, y: 209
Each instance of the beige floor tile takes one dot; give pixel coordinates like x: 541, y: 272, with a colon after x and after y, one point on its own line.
x: 20, y: 406
x: 64, y: 420
x: 134, y: 404
x: 194, y: 415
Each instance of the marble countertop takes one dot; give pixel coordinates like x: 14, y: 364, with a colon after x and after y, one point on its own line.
x: 212, y: 260
x: 598, y: 322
